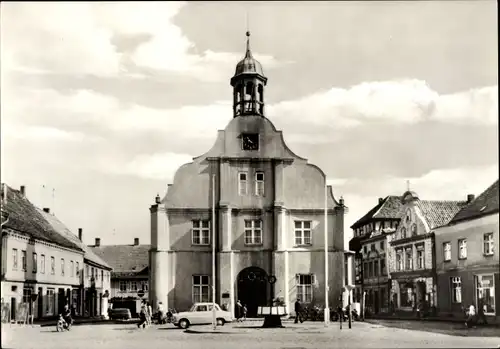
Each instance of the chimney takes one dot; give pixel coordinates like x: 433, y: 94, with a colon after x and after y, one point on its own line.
x: 341, y: 201
x: 23, y: 190
x: 97, y: 242
x: 46, y: 210
x: 380, y: 200
x: 158, y: 199
x: 80, y: 233
x: 136, y: 241
x: 470, y: 198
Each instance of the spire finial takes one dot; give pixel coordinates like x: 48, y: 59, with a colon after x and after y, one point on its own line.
x: 408, y: 185
x: 248, y: 53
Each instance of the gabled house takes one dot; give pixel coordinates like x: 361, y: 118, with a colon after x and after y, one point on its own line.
x: 130, y: 275
x: 467, y: 261
x: 39, y: 265
x: 370, y: 246
x: 411, y: 251
x: 91, y: 299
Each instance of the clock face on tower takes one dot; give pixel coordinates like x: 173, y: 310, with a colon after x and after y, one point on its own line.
x: 250, y: 141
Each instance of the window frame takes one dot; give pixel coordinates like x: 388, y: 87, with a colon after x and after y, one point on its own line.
x: 305, y: 291
x: 63, y: 266
x: 456, y: 289
x: 242, y: 183
x: 201, y: 231
x: 42, y: 263
x: 24, y: 260
x: 492, y: 289
x: 198, y: 283
x: 400, y: 259
x: 259, y: 182
x: 302, y: 233
x: 15, y: 259
x: 447, y: 251
x: 77, y: 266
x: 408, y: 263
x: 462, y: 249
x: 125, y: 287
x: 490, y: 242
x: 253, y: 229
x: 52, y: 265
x: 34, y: 258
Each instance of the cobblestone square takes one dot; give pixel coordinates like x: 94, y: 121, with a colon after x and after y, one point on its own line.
x: 247, y: 335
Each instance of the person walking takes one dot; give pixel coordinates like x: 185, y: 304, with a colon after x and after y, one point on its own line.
x: 161, y: 315
x: 142, y: 316
x: 298, y: 312
x: 149, y: 312
x: 239, y: 310
x: 471, y: 314
x: 245, y: 312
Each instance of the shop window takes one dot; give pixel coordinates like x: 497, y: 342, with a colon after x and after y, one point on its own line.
x: 485, y: 288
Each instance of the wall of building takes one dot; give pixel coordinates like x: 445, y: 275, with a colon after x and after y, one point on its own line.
x: 475, y: 264
x: 115, y: 287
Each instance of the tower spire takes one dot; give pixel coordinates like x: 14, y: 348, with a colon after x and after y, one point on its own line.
x: 249, y: 53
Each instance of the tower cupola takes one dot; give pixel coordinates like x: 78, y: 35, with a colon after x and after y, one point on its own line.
x: 248, y: 85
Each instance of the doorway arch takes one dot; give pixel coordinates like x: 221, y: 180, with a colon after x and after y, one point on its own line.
x: 252, y: 289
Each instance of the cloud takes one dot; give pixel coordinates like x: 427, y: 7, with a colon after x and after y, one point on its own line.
x: 161, y: 166
x: 398, y: 101
x: 77, y: 39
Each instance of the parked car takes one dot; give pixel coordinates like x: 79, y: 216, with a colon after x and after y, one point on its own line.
x: 201, y: 314
x: 120, y: 314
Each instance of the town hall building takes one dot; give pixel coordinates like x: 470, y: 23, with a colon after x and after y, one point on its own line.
x: 269, y: 217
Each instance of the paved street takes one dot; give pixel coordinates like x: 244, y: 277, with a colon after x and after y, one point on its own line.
x: 247, y: 335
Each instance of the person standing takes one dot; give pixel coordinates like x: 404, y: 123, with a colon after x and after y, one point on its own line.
x: 298, y: 312
x: 244, y: 312
x: 481, y: 308
x: 142, y: 316
x: 470, y: 316
x: 160, y: 313
x: 149, y: 312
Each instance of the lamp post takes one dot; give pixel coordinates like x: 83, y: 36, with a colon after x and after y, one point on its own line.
x: 214, y: 320
x: 327, y: 307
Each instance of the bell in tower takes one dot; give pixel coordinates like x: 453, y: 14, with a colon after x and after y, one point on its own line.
x: 248, y: 86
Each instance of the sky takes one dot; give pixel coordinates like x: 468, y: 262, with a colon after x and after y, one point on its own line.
x: 102, y: 102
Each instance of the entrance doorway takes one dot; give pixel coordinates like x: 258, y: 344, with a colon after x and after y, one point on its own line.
x: 40, y: 302
x: 253, y: 289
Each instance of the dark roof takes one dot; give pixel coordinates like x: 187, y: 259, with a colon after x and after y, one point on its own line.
x: 388, y: 208
x: 26, y: 218
x: 64, y: 231
x: 439, y: 213
x: 484, y: 204
x: 124, y: 259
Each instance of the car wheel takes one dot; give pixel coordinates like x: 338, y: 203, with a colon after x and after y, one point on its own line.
x: 221, y: 322
x: 184, y: 323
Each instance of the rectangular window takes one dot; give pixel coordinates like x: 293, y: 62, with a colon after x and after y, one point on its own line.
x: 123, y: 286
x: 201, y: 232
x: 72, y: 268
x: 462, y: 249
x: 365, y: 270
x: 305, y: 287
x: 456, y: 289
x: 375, y: 268
x: 406, y: 295
x: 253, y: 232
x: 302, y: 233
x: 383, y: 267
x: 87, y: 275
x: 52, y: 265
x: 447, y: 251
x: 365, y: 249
x: 42, y: 264
x: 133, y: 286
x: 145, y: 285
x: 370, y: 269
x: 35, y: 263
x: 201, y: 288
x: 62, y: 266
x: 102, y: 275
x: 420, y: 258
x: 489, y: 248
x: 50, y: 301
x: 409, y: 258
x: 399, y: 260
x: 486, y: 293
x: 14, y: 259
x: 259, y: 183
x: 242, y: 183
x: 77, y: 269
x: 382, y: 245
x: 23, y: 261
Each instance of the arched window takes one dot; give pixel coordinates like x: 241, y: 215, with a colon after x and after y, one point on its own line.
x: 403, y: 233
x: 260, y: 89
x: 413, y: 229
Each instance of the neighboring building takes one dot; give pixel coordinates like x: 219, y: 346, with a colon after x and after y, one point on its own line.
x: 94, y: 274
x: 411, y: 250
x: 467, y: 262
x: 370, y: 245
x: 36, y: 259
x: 130, y: 265
x: 269, y: 217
